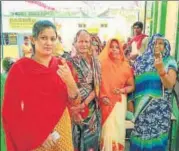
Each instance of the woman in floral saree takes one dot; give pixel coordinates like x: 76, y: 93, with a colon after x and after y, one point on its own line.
x: 155, y: 76
x: 86, y: 128
x: 117, y: 81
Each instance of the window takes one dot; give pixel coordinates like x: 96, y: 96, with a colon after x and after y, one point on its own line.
x: 104, y: 25
x: 10, y: 38
x: 82, y: 25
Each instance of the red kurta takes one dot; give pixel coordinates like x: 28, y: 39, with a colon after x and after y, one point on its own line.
x: 34, y: 100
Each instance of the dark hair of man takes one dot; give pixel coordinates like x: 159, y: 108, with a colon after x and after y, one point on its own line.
x: 139, y: 24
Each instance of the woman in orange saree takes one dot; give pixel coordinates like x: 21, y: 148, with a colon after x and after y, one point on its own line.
x: 117, y: 81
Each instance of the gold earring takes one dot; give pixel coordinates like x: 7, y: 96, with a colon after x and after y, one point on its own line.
x: 90, y: 51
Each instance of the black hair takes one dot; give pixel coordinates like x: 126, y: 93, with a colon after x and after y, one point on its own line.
x: 39, y: 26
x: 139, y: 24
x: 25, y: 37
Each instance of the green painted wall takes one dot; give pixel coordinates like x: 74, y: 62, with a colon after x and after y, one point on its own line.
x: 155, y: 17
x: 177, y: 39
x: 163, y: 14
x: 151, y: 22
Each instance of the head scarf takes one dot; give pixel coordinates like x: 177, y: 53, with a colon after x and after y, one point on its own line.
x: 145, y: 62
x: 105, y: 53
x: 96, y: 42
x: 115, y: 73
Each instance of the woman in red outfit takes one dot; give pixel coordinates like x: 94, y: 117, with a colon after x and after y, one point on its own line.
x: 37, y: 90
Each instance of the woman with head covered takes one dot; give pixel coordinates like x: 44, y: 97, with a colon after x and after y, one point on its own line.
x: 86, y: 126
x: 155, y: 76
x: 117, y: 82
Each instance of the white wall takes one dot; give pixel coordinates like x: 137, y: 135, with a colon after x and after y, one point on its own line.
x: 116, y: 27
x: 171, y: 24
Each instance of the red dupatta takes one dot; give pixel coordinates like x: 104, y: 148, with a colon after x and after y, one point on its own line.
x: 34, y: 101
x: 138, y: 39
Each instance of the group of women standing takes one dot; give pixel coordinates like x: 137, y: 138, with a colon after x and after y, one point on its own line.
x: 80, y: 105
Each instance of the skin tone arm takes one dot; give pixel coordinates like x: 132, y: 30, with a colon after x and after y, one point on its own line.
x: 168, y: 79
x: 90, y: 98
x: 130, y: 88
x: 127, y: 89
x: 81, y: 106
x: 65, y: 73
x: 77, y: 109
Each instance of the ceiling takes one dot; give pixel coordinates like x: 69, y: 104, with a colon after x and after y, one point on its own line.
x: 8, y: 6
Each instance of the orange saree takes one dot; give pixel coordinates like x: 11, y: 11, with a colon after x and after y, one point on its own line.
x: 115, y: 74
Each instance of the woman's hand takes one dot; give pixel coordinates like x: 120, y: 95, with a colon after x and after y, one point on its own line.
x: 133, y: 56
x: 119, y: 91
x: 77, y: 118
x: 106, y: 101
x: 116, y: 91
x: 49, y: 142
x: 65, y: 73
x: 159, y: 62
x: 130, y: 106
x: 78, y: 108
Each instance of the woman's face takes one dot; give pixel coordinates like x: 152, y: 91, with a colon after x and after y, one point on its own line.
x: 159, y: 45
x: 114, y: 49
x: 83, y: 43
x: 45, y: 42
x: 26, y: 41
x: 95, y: 48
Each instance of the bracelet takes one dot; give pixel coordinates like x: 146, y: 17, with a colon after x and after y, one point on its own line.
x: 162, y: 74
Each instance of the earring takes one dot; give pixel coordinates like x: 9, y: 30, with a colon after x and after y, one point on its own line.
x: 90, y: 52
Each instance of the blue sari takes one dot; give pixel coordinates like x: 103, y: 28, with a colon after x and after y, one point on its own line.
x: 152, y: 101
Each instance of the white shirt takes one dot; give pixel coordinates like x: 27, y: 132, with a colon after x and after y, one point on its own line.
x: 142, y: 48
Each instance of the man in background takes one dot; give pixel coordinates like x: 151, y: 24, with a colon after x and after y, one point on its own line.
x: 139, y: 41
x: 26, y: 48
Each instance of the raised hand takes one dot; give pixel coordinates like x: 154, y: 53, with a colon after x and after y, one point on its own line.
x: 158, y: 63
x: 64, y: 72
